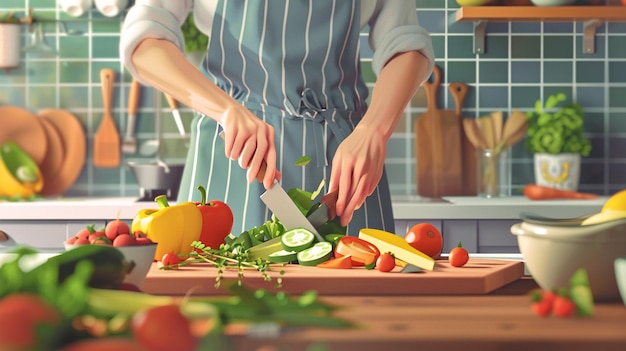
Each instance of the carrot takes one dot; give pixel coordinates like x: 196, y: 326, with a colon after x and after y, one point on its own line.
x: 540, y: 192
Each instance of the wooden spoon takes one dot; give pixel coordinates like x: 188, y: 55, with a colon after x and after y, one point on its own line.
x: 486, y: 128
x: 473, y: 133
x: 515, y: 124
x: 497, y: 121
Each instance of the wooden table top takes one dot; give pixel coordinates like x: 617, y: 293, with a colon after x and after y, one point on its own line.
x: 501, y: 320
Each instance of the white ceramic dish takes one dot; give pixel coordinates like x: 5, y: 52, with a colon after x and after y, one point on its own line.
x: 142, y: 255
x: 553, y: 2
x: 620, y: 276
x: 552, y: 253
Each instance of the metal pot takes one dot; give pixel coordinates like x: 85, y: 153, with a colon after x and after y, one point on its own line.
x: 157, y: 178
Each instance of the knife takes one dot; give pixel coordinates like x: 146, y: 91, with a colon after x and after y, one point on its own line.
x: 325, y: 210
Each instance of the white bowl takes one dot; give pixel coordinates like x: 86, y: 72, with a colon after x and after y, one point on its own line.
x: 141, y: 255
x: 620, y: 276
x: 552, y: 2
x: 553, y: 252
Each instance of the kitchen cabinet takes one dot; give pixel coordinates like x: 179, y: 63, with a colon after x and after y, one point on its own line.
x: 591, y: 16
x: 483, y: 225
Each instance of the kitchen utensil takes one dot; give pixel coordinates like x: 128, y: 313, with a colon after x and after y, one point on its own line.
x: 55, y: 153
x: 477, y: 277
x: 552, y: 253
x: 438, y: 172
x: 485, y: 124
x: 497, y: 121
x: 129, y: 143
x: 468, y: 150
x: 25, y: 129
x: 38, y: 46
x: 74, y: 146
x: 176, y: 114
x: 106, y: 148
x: 111, y: 8
x: 157, y: 178
x: 514, y: 127
x: 473, y: 133
x: 75, y: 8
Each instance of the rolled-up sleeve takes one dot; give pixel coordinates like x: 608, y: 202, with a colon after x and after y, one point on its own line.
x: 152, y: 19
x: 394, y: 28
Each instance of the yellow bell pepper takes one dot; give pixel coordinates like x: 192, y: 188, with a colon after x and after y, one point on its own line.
x: 173, y: 228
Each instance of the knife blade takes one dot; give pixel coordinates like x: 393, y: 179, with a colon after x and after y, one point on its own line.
x: 283, y: 207
x: 325, y: 211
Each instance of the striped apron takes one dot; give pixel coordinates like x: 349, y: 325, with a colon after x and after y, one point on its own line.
x: 296, y: 65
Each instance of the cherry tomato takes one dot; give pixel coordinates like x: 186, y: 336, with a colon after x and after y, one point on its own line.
x: 542, y: 302
x: 170, y: 259
x: 426, y: 238
x: 362, y: 252
x: 163, y: 328
x: 458, y: 256
x: 563, y: 306
x: 386, y: 262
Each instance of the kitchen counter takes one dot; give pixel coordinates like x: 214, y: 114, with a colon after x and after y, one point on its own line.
x: 404, y: 207
x: 501, y: 320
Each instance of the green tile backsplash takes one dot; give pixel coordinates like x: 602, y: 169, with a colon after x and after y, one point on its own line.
x: 524, y: 61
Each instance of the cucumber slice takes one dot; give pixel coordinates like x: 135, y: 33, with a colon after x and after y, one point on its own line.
x: 297, y: 239
x: 318, y: 253
x: 282, y: 256
x: 263, y: 250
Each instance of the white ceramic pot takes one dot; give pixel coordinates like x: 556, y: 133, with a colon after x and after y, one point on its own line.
x: 9, y: 45
x: 75, y: 8
x: 560, y: 171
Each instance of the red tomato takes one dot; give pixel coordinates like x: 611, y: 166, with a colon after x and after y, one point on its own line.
x: 170, y: 259
x: 426, y: 238
x: 124, y: 240
x: 143, y: 240
x: 458, y: 256
x: 361, y: 252
x: 81, y: 241
x: 163, y: 328
x: 386, y: 262
x: 344, y: 262
x: 84, y: 233
x: 20, y: 316
x: 542, y: 302
x: 116, y: 227
x: 563, y: 306
x: 217, y: 220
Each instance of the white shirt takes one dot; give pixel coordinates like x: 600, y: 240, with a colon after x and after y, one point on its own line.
x: 394, y: 27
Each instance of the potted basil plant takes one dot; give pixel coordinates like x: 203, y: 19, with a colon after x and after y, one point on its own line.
x: 196, y: 42
x: 555, y: 138
x: 10, y: 39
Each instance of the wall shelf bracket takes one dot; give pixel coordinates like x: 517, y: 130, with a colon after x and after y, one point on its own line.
x: 480, y: 26
x: 589, y: 35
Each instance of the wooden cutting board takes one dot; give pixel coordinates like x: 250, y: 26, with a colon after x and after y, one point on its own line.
x: 438, y: 146
x: 478, y: 276
x: 468, y: 150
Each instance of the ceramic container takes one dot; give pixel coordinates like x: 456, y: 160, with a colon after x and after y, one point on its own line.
x: 141, y: 255
x: 75, y: 8
x: 553, y: 251
x: 9, y: 45
x: 111, y: 8
x: 157, y: 178
x: 620, y: 276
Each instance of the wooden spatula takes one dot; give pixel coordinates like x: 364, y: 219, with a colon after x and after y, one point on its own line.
x: 106, y: 144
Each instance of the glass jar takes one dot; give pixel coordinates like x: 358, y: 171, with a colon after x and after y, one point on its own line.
x: 493, y: 174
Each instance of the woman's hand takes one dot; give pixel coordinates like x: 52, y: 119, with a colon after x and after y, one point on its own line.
x: 250, y: 140
x: 357, y: 168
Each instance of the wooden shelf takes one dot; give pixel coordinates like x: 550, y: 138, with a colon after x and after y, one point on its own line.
x: 541, y: 13
x: 592, y: 16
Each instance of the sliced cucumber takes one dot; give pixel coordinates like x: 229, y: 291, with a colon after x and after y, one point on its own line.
x: 318, y: 253
x: 297, y: 239
x: 263, y: 250
x: 282, y: 256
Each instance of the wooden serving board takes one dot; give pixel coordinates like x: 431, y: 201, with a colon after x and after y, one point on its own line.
x: 478, y: 276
